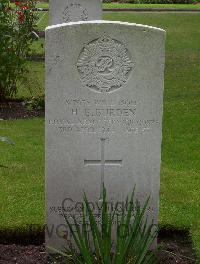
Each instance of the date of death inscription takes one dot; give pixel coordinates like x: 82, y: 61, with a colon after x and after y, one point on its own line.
x: 82, y: 115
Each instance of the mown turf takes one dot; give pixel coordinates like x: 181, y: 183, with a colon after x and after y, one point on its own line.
x: 33, y: 85
x: 22, y: 175
x: 37, y: 47
x: 171, y: 6
x: 118, y: 5
x: 180, y: 181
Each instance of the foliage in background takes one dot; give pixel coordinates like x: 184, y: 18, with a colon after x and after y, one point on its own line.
x: 16, y: 35
x: 130, y: 225
x: 36, y: 103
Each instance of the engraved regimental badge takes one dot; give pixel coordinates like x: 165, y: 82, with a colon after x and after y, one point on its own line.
x: 74, y: 12
x: 104, y: 65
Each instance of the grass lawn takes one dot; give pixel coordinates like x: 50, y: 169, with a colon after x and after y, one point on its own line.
x: 22, y: 175
x: 34, y: 85
x: 118, y: 5
x: 37, y: 47
x: 22, y: 179
x: 182, y: 6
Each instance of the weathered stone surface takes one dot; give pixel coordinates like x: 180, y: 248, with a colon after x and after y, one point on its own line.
x: 64, y: 11
x: 104, y: 94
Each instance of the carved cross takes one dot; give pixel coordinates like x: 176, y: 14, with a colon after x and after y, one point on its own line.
x: 103, y: 163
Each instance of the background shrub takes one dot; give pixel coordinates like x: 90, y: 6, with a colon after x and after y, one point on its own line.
x: 16, y: 35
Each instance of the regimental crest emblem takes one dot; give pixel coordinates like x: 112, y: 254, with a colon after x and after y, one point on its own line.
x: 74, y: 12
x: 104, y: 65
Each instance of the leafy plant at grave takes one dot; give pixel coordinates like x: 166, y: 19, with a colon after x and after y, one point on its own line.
x: 16, y: 35
x: 134, y: 235
x: 37, y: 102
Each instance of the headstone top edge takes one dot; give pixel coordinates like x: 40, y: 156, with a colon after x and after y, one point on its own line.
x: 104, y: 22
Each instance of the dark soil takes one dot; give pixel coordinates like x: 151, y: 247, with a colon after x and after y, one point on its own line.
x: 176, y: 248
x: 17, y: 110
x: 36, y: 58
x: 16, y: 254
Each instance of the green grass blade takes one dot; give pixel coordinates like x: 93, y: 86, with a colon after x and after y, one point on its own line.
x: 135, y: 229
x: 94, y: 228
x: 85, y: 232
x: 85, y: 250
x: 146, y: 242
x: 79, y: 240
x: 73, y: 234
x: 123, y: 229
x: 106, y: 235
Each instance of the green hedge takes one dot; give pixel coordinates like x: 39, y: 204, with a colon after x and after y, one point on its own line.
x: 152, y: 1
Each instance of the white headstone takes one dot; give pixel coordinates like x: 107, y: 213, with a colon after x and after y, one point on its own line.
x: 104, y: 100
x: 64, y: 11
